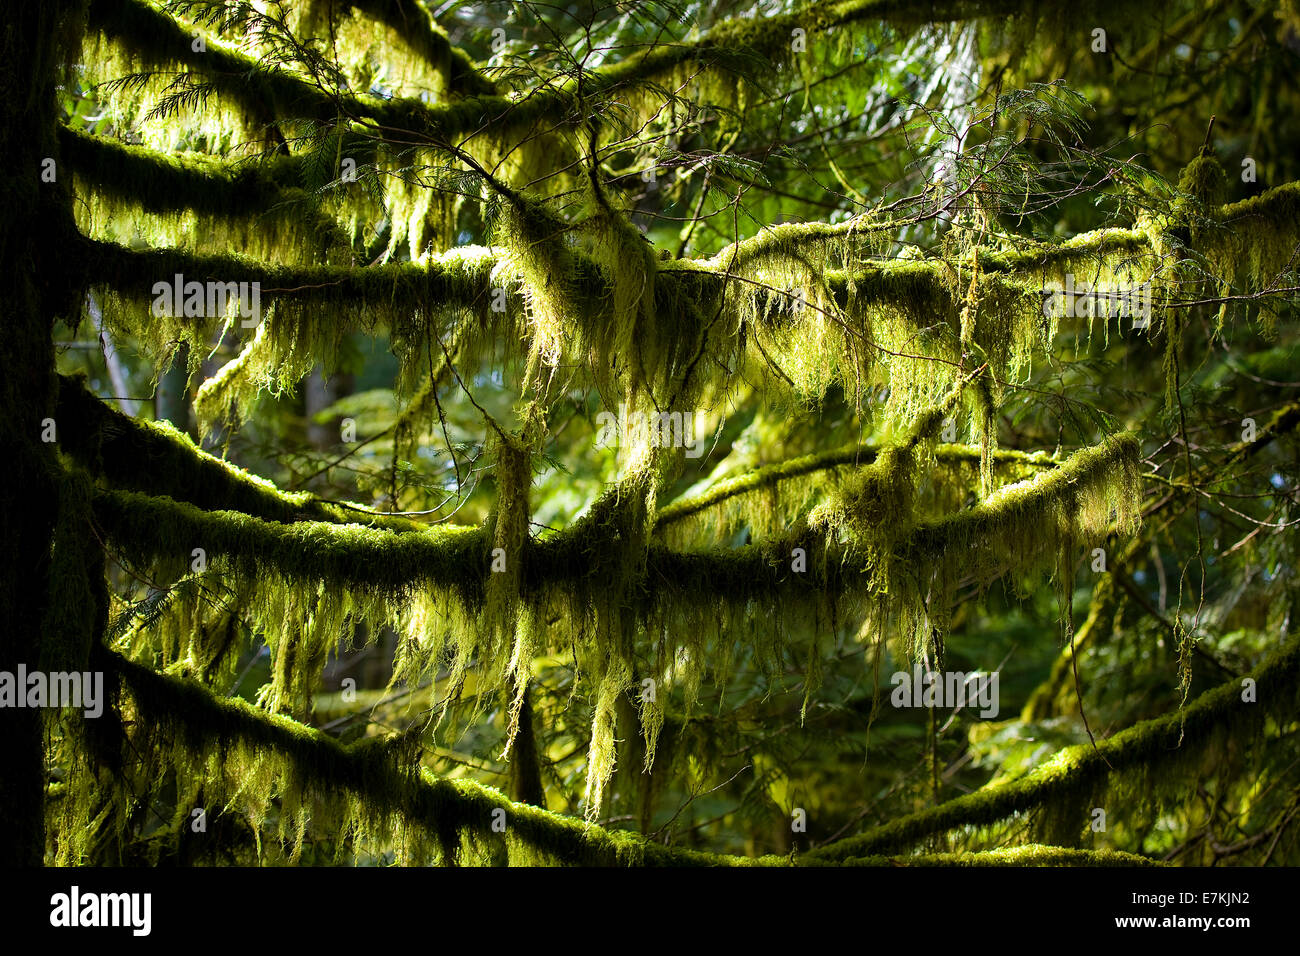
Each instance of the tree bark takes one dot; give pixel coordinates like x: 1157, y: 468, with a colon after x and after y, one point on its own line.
x: 525, y: 762
x: 37, y: 235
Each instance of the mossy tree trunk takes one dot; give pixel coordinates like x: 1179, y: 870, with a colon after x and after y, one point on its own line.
x: 33, y: 231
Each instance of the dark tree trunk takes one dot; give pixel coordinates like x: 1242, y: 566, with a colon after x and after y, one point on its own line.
x: 525, y: 762
x: 37, y: 241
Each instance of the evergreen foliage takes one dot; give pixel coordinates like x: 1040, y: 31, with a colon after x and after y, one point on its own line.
x: 805, y: 262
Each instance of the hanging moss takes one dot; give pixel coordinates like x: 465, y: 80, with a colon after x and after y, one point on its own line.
x: 130, y: 36
x: 309, y: 310
x: 1255, y: 245
x: 537, y: 256
x: 301, y: 582
x: 1028, y: 525
x: 721, y: 496
x: 905, y: 312
x: 630, y: 325
x: 197, y: 201
x: 513, y: 637
x: 402, y: 34
x: 125, y: 37
x: 1080, y: 774
x: 133, y: 454
x: 876, y: 507
x: 808, y: 306
x: 247, y: 759
x: 416, y: 26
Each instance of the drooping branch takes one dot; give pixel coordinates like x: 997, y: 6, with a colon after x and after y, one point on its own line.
x: 390, y: 564
x: 383, y: 779
x: 735, y: 45
x: 199, y: 201
x: 152, y: 456
x: 1022, y: 506
x: 165, y: 182
x: 915, y: 293
x: 459, y: 815
x: 1080, y: 769
x: 159, y: 530
x: 157, y: 41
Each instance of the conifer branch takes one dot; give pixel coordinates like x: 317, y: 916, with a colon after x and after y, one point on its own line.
x: 853, y: 456
x: 138, y: 455
x: 1081, y: 769
x: 371, y: 774
x: 166, y: 182
x: 736, y: 46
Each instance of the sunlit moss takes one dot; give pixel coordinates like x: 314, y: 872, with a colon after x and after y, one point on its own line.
x: 1140, y: 760
x: 250, y: 762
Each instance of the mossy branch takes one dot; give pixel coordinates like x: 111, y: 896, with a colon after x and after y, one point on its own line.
x: 1031, y: 500
x: 161, y: 42
x: 735, y: 45
x: 852, y: 456
x: 390, y: 564
x: 165, y: 182
x: 1032, y: 854
x: 381, y: 776
x: 155, y: 457
x: 371, y: 774
x: 1079, y: 768
x: 368, y: 560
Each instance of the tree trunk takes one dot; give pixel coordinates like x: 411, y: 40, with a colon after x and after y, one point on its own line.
x: 37, y: 237
x: 525, y: 762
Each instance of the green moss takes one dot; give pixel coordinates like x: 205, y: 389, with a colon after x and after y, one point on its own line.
x: 299, y: 583
x: 139, y: 455
x: 308, y: 311
x: 246, y: 759
x: 431, y: 60
x: 1076, y: 774
x: 1256, y: 244
x: 197, y: 201
x: 1030, y: 855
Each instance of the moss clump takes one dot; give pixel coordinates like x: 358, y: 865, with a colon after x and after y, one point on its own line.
x: 1030, y: 855
x: 268, y: 768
